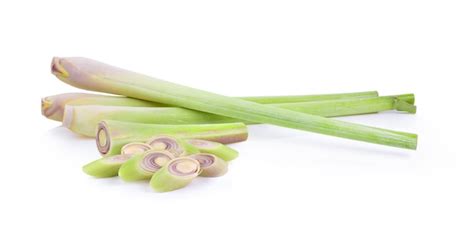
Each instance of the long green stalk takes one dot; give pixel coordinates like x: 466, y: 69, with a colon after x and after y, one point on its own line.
x: 84, y: 119
x: 52, y: 107
x: 96, y: 76
x: 111, y: 135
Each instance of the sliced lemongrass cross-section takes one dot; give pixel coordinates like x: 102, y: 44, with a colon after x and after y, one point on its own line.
x: 96, y: 76
x: 142, y: 166
x: 177, y: 174
x: 53, y: 106
x: 106, y: 166
x: 218, y: 149
x: 211, y: 165
x: 135, y: 148
x: 84, y: 119
x: 111, y: 136
x: 174, y: 145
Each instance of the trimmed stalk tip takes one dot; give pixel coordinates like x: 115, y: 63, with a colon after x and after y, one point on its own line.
x: 177, y: 174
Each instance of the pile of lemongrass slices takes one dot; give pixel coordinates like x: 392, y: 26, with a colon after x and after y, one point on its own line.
x: 170, y: 134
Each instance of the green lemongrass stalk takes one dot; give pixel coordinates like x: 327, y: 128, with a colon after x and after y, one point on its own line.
x: 106, y: 166
x: 176, y: 174
x: 220, y: 150
x: 135, y: 148
x: 96, y: 76
x: 111, y: 136
x: 211, y: 165
x: 143, y: 166
x: 84, y: 119
x: 52, y: 107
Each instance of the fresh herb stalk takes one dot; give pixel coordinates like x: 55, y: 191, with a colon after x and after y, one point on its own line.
x: 52, y: 107
x: 111, y: 135
x: 84, y: 119
x: 143, y: 166
x: 211, y: 165
x: 220, y: 150
x: 96, y: 76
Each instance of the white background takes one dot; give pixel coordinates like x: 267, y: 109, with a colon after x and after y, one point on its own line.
x: 238, y: 48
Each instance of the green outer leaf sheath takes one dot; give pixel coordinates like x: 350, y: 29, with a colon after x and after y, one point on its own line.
x: 143, y: 166
x: 113, y: 135
x: 96, y: 76
x: 175, y: 175
x: 107, y: 166
x: 52, y: 107
x: 84, y: 119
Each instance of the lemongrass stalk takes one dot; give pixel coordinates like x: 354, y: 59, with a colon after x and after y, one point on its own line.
x: 220, y: 150
x: 96, y: 76
x: 135, y: 148
x: 111, y: 136
x: 177, y: 147
x: 106, y: 166
x: 83, y: 119
x: 177, y: 174
x: 52, y: 107
x: 211, y: 165
x: 143, y: 166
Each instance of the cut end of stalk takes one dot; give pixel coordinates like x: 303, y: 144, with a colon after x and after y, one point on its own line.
x: 168, y: 143
x: 205, y: 160
x: 135, y: 148
x: 58, y: 69
x: 184, y: 167
x: 102, y: 138
x: 154, y: 160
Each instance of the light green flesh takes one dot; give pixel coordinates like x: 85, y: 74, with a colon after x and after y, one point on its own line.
x: 163, y: 181
x: 102, y: 168
x: 131, y: 170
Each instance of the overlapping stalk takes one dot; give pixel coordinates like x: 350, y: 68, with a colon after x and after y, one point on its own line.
x: 111, y: 135
x: 92, y: 75
x: 52, y: 107
x: 143, y: 166
x: 84, y: 119
x: 211, y: 165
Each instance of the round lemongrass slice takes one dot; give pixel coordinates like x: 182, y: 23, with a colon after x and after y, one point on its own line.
x: 143, y: 166
x: 220, y: 150
x: 211, y: 166
x: 107, y: 166
x: 172, y: 144
x: 135, y: 148
x: 177, y: 174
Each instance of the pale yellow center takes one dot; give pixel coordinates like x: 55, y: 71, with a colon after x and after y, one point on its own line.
x: 158, y: 145
x: 102, y: 138
x: 161, y: 161
x: 186, y: 166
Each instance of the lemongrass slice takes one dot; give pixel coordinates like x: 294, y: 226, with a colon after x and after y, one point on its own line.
x: 111, y: 136
x: 174, y: 145
x: 84, y: 119
x: 96, y: 76
x: 211, y: 165
x: 107, y: 166
x: 177, y: 174
x: 218, y: 149
x: 142, y: 166
x: 135, y: 148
